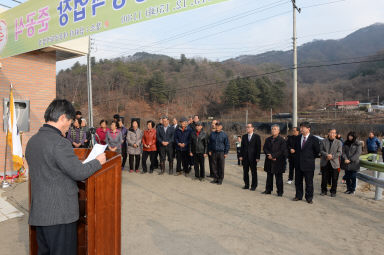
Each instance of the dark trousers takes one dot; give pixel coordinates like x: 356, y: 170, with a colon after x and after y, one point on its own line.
x: 124, y: 154
x: 279, y: 183
x: 134, y: 162
x: 57, y: 239
x: 166, y: 151
x: 218, y: 164
x: 350, y: 179
x: 199, y: 165
x: 246, y: 166
x: 152, y: 155
x: 182, y: 160
x: 157, y: 153
x: 210, y: 166
x: 191, y: 160
x: 329, y: 172
x: 291, y: 168
x: 300, y: 176
x: 238, y: 151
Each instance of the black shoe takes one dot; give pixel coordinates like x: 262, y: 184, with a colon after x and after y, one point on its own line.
x: 253, y: 188
x: 151, y: 171
x: 296, y: 199
x: 246, y: 187
x: 333, y: 194
x: 266, y: 192
x: 210, y: 176
x: 144, y: 172
x: 323, y: 193
x: 280, y: 194
x: 219, y: 182
x: 310, y: 201
x: 347, y: 192
x: 214, y: 181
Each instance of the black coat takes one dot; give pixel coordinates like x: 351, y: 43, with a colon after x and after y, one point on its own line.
x: 305, y: 157
x: 351, y: 152
x: 198, y: 144
x: 277, y: 147
x: 291, y: 145
x: 250, y: 151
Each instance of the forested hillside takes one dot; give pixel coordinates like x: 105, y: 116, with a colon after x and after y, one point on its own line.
x: 148, y: 85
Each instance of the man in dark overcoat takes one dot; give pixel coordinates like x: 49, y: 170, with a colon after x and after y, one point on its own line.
x: 275, y: 149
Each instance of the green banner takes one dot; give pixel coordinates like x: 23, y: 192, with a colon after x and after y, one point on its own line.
x: 37, y: 24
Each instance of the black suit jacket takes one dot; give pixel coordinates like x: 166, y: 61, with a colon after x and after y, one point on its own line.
x: 250, y: 151
x: 161, y: 136
x: 305, y: 157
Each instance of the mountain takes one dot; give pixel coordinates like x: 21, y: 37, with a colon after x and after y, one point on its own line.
x: 361, y: 43
x: 149, y: 85
x: 144, y: 56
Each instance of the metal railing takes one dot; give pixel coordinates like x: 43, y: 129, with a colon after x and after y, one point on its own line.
x: 370, y: 162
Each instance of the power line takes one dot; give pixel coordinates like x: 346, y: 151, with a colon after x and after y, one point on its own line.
x: 217, y: 23
x: 6, y: 6
x: 327, y: 3
x: 223, y: 31
x: 254, y: 76
x: 221, y: 22
x: 236, y: 27
x: 203, y: 51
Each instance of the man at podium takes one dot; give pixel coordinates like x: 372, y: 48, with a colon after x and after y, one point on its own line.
x: 54, y: 170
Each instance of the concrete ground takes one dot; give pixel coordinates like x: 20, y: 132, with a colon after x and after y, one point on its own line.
x: 178, y: 215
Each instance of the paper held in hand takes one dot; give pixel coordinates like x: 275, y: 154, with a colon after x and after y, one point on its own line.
x: 96, y: 151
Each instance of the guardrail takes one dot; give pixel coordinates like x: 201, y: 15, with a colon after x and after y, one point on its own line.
x: 370, y: 162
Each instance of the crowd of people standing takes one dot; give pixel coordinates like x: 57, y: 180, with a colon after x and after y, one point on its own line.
x: 183, y: 140
x: 187, y: 142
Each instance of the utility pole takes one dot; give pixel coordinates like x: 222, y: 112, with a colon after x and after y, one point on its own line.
x: 335, y: 109
x: 246, y: 116
x: 89, y: 83
x: 368, y: 96
x: 294, y: 94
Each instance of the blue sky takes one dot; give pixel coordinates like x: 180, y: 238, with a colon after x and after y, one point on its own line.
x: 255, y: 26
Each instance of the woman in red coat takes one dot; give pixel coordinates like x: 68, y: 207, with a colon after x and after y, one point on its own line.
x: 101, y: 132
x: 149, y: 146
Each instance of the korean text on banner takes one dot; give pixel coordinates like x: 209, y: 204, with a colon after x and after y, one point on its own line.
x: 36, y: 24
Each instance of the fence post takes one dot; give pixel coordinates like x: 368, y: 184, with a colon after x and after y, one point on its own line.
x: 379, y: 175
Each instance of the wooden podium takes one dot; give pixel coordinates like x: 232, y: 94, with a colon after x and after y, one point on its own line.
x: 99, y: 226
